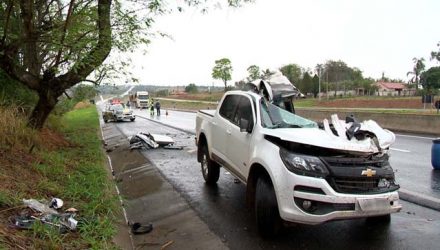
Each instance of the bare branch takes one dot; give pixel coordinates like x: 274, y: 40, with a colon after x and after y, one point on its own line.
x: 8, y: 15
x: 63, y: 35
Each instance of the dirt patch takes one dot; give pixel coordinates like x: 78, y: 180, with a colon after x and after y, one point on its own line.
x: 81, y: 105
x: 53, y: 140
x: 398, y: 103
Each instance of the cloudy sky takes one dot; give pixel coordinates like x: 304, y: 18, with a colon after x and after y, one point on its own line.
x: 375, y: 35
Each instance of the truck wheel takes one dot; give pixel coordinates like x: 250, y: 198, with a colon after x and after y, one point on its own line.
x: 266, y: 208
x: 382, y: 219
x: 105, y: 120
x: 132, y: 119
x: 210, y: 169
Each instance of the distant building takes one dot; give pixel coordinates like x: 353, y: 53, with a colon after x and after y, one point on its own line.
x: 393, y: 89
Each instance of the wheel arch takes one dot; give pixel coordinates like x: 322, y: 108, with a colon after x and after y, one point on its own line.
x: 201, y: 142
x: 256, y: 171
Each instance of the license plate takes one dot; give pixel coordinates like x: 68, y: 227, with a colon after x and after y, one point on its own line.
x: 376, y: 204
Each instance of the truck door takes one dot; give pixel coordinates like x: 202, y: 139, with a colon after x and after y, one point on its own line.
x: 221, y: 124
x: 239, y: 142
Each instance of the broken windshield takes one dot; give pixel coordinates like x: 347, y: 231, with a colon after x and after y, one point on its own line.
x: 275, y: 117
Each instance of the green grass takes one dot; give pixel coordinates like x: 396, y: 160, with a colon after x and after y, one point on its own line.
x: 77, y: 175
x: 186, y: 105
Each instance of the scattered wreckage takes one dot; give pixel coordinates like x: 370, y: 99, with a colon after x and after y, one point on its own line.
x: 46, y: 213
x: 152, y: 141
x: 297, y: 170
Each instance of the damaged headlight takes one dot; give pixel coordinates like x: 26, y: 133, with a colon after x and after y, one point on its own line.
x: 303, y: 164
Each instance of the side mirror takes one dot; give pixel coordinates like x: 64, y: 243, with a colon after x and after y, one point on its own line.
x: 244, y: 125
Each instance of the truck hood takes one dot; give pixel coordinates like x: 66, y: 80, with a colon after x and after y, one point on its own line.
x: 379, y: 142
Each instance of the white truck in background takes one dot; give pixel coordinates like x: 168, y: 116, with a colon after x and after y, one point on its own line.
x: 297, y: 170
x: 140, y: 99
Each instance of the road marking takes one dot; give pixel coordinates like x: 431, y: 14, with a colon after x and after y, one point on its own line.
x: 419, y: 137
x: 401, y: 150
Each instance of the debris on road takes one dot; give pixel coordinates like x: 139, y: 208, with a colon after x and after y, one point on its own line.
x: 138, y: 228
x: 147, y: 140
x: 167, y: 244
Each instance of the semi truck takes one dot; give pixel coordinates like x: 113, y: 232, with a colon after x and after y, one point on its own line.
x: 139, y: 99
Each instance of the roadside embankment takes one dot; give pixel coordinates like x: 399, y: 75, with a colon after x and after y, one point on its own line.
x: 412, y: 123
x: 63, y: 160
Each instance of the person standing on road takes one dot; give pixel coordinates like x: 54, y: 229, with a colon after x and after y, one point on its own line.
x: 151, y: 107
x: 157, y: 108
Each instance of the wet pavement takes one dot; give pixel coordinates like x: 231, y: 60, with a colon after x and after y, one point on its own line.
x: 410, y: 155
x: 148, y: 198
x: 223, y: 208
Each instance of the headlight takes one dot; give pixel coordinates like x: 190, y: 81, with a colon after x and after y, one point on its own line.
x: 303, y: 164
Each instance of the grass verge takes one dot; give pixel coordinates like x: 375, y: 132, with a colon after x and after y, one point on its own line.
x: 68, y: 164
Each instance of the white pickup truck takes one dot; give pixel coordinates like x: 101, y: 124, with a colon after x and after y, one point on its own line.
x: 295, y: 169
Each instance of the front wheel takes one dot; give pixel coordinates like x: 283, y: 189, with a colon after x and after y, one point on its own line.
x: 132, y: 119
x: 266, y: 208
x: 210, y: 169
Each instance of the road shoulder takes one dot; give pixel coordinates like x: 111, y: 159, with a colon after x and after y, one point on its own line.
x: 149, y: 198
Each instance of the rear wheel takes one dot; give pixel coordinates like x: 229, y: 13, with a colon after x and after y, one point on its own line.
x: 132, y: 119
x: 266, y: 208
x: 210, y: 169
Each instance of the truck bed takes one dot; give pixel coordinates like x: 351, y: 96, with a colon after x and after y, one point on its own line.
x: 208, y: 112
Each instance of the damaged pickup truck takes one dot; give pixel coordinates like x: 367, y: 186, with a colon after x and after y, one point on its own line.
x: 297, y: 170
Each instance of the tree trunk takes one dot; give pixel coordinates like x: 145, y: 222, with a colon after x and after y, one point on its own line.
x: 225, y: 84
x: 46, y: 103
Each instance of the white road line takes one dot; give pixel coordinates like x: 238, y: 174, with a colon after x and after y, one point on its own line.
x: 401, y: 150
x: 419, y: 137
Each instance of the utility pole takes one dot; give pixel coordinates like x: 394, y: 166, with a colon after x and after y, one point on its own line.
x: 319, y: 81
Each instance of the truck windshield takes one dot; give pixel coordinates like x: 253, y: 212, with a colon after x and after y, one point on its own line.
x: 143, y: 96
x: 275, y: 117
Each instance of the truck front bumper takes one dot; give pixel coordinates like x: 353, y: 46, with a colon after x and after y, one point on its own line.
x: 311, y: 200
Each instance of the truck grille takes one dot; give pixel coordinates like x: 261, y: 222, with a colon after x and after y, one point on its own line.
x: 366, y: 185
x: 346, y: 175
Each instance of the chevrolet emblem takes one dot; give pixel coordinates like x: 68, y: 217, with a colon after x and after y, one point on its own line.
x: 368, y: 172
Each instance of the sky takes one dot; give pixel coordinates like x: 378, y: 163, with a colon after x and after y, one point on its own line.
x: 375, y: 36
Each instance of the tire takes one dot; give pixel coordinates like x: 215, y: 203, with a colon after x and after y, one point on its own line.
x: 382, y: 219
x: 105, y: 120
x: 132, y: 119
x: 210, y: 169
x: 266, y: 209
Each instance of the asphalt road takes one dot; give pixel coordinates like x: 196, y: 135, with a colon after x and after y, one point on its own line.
x: 410, y: 155
x: 223, y: 207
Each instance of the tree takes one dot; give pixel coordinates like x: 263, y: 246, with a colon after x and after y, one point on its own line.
x: 50, y: 46
x: 430, y: 79
x: 293, y: 72
x: 83, y: 92
x: 254, y: 73
x: 265, y: 74
x: 418, y: 68
x: 306, y: 85
x: 222, y: 70
x: 191, y: 88
x: 315, y: 86
x: 436, y: 54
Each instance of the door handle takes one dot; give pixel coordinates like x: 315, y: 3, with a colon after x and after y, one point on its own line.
x: 214, y: 123
x: 228, y: 131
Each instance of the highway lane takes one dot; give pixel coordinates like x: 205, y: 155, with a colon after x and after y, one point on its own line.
x: 223, y: 208
x: 410, y: 154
